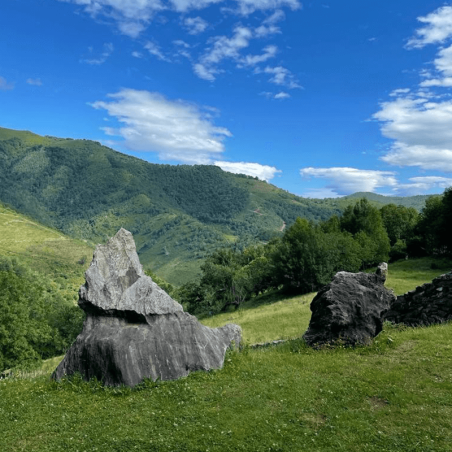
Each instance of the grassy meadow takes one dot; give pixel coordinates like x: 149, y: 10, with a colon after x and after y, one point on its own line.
x: 45, y: 250
x: 395, y: 395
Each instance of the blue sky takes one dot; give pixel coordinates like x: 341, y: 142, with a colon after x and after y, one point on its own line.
x: 321, y: 98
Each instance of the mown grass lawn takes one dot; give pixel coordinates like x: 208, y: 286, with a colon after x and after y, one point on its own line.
x: 395, y: 395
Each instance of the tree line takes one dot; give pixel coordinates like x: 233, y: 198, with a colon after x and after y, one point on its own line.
x: 308, y: 254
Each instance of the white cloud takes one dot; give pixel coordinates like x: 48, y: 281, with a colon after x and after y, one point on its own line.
x: 252, y: 60
x: 205, y: 72
x: 195, y: 25
x: 247, y: 7
x: 444, y: 61
x: 398, y: 92
x: 268, y: 26
x: 222, y: 48
x: 102, y: 58
x: 443, y: 65
x: 281, y: 76
x: 176, y: 130
x: 445, y: 82
x: 419, y: 185
x: 5, y: 85
x: 438, y: 28
x: 133, y: 16
x: 345, y: 181
x: 321, y: 193
x: 422, y: 132
x: 282, y: 95
x: 137, y: 54
x: 180, y: 43
x: 263, y: 172
x: 34, y: 81
x: 154, y: 49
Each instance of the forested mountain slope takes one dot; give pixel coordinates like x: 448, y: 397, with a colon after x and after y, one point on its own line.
x: 178, y: 213
x: 417, y: 202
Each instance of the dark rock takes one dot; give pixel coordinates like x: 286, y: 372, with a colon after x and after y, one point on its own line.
x: 428, y: 304
x: 382, y: 271
x: 134, y: 329
x: 349, y: 309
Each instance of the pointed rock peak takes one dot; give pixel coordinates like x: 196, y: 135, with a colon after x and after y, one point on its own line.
x: 116, y: 281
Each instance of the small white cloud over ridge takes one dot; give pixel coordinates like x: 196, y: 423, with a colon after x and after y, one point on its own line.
x: 263, y: 172
x: 345, y: 181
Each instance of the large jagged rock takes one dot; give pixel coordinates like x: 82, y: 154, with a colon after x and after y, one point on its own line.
x: 426, y: 305
x: 134, y: 329
x: 349, y: 309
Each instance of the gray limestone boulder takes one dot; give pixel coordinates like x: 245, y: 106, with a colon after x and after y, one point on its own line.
x: 349, y: 309
x: 134, y: 329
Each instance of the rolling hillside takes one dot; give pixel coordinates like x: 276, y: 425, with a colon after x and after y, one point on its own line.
x: 178, y: 213
x: 45, y: 250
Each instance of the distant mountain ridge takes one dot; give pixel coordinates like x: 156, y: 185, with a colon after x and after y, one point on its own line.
x: 418, y: 201
x: 177, y: 213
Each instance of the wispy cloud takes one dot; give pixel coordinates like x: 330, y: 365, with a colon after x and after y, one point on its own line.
x: 438, y: 28
x: 268, y: 26
x: 34, y: 81
x: 195, y: 25
x: 263, y: 172
x: 246, y: 7
x: 443, y: 67
x: 423, y: 184
x: 154, y: 50
x: 175, y: 129
x: 132, y: 17
x: 345, y: 181
x: 253, y: 60
x: 5, y: 85
x: 281, y: 76
x: 222, y: 48
x: 270, y: 95
x: 102, y: 58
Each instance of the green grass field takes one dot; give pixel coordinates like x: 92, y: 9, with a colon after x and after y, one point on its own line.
x: 395, y: 395
x: 45, y: 250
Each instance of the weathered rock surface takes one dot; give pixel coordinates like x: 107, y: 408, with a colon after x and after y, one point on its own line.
x: 427, y: 304
x: 349, y: 308
x: 134, y: 329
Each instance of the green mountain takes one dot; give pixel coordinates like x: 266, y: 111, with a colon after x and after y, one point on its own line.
x: 418, y: 202
x: 178, y: 213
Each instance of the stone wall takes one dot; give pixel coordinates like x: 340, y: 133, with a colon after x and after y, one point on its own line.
x: 426, y: 305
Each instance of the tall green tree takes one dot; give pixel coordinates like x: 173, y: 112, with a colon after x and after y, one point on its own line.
x: 365, y: 223
x: 400, y: 223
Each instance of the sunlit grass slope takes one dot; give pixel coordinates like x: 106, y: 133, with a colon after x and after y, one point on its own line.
x: 405, y: 275
x: 289, y: 317
x: 44, y: 250
x: 395, y: 395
